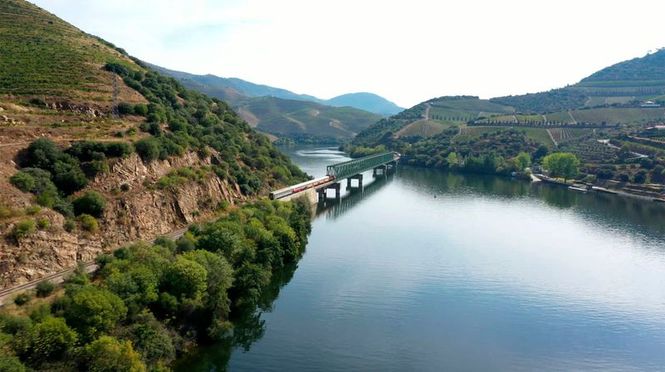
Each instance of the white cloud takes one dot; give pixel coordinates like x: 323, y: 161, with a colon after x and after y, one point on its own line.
x: 407, y: 51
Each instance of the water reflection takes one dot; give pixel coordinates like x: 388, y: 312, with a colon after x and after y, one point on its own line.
x: 354, y: 196
x: 249, y: 327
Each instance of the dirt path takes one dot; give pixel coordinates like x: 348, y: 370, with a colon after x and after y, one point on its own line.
x: 427, y: 108
x: 552, y: 138
x: 572, y: 117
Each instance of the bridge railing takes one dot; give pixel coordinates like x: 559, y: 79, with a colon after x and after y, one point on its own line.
x: 355, y: 166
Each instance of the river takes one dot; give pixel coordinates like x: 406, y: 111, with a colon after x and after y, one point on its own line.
x: 430, y: 271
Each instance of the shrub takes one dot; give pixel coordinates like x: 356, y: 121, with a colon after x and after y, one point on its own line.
x: 32, y: 210
x: 23, y: 181
x: 45, y: 288
x: 125, y: 108
x: 93, y: 311
x: 22, y: 299
x: 10, y: 363
x: 43, y: 223
x: 91, y: 203
x: 50, y: 340
x: 148, y: 149
x: 89, y: 223
x: 23, y: 229
x: 109, y: 354
x: 69, y: 225
x: 141, y: 109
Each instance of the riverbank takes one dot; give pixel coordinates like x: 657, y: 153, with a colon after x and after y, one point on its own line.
x: 157, y: 300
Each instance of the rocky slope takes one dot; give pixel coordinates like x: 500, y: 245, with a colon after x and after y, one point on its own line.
x: 61, y: 84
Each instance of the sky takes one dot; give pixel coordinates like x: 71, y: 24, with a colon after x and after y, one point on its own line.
x: 405, y: 51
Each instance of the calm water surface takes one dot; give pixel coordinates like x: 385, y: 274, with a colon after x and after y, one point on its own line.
x: 433, y: 271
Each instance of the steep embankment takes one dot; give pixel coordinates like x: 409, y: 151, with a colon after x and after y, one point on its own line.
x: 156, y: 156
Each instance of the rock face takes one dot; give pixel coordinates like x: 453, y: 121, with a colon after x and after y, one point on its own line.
x: 142, y: 212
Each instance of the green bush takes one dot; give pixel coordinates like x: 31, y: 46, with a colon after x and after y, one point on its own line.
x: 23, y: 181
x: 91, y: 203
x: 148, y: 149
x: 10, y: 363
x: 23, y: 229
x: 43, y: 223
x: 141, y: 109
x: 48, y: 341
x: 109, y: 354
x: 45, y: 288
x: 94, y: 311
x: 69, y: 225
x: 22, y: 299
x: 88, y: 223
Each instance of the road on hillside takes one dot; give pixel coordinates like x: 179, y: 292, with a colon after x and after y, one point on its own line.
x: 6, y: 295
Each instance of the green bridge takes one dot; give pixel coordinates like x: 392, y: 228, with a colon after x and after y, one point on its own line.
x: 351, y: 170
x: 353, y: 167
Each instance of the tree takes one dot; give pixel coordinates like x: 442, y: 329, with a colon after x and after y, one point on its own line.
x: 151, y: 339
x: 109, y: 354
x: 562, y: 164
x: 220, y: 278
x: 93, y: 311
x: 185, y: 279
x: 50, y: 340
x: 523, y: 160
x: 92, y: 203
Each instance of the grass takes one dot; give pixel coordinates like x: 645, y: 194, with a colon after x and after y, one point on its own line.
x: 539, y: 135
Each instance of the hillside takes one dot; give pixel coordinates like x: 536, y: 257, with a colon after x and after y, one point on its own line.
x: 237, y: 91
x: 627, y: 83
x: 305, y: 121
x: 98, y: 150
x: 366, y: 101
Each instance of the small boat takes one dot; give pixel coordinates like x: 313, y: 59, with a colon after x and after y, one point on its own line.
x: 577, y: 188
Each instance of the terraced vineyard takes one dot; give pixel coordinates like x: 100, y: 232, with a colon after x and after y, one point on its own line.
x: 591, y: 151
x: 70, y: 62
x: 561, y: 135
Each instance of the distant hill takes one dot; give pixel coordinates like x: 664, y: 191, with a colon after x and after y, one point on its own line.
x: 304, y: 121
x: 366, y: 101
x: 235, y: 90
x: 286, y: 114
x: 625, y: 83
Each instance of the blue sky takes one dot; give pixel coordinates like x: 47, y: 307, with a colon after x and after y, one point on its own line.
x: 406, y: 51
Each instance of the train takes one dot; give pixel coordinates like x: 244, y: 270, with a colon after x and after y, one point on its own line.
x: 281, y: 193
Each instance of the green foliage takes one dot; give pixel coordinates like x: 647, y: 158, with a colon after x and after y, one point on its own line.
x: 23, y: 229
x: 91, y: 203
x: 561, y: 164
x: 185, y: 279
x: 23, y: 181
x: 10, y: 363
x: 148, y: 149
x: 48, y: 341
x: 194, y: 294
x: 523, y: 160
x: 107, y: 354
x: 22, y: 299
x: 43, y: 223
x: 45, y: 288
x: 93, y: 311
x: 88, y: 223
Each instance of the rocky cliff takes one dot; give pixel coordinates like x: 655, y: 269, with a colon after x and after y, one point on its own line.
x: 141, y: 212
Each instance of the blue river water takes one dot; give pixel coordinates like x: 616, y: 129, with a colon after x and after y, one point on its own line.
x: 430, y: 271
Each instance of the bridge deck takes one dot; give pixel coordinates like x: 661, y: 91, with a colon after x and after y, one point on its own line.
x: 349, y: 168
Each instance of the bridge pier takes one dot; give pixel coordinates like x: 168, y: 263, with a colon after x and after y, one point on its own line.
x: 323, y: 192
x: 381, y: 168
x: 349, y: 182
